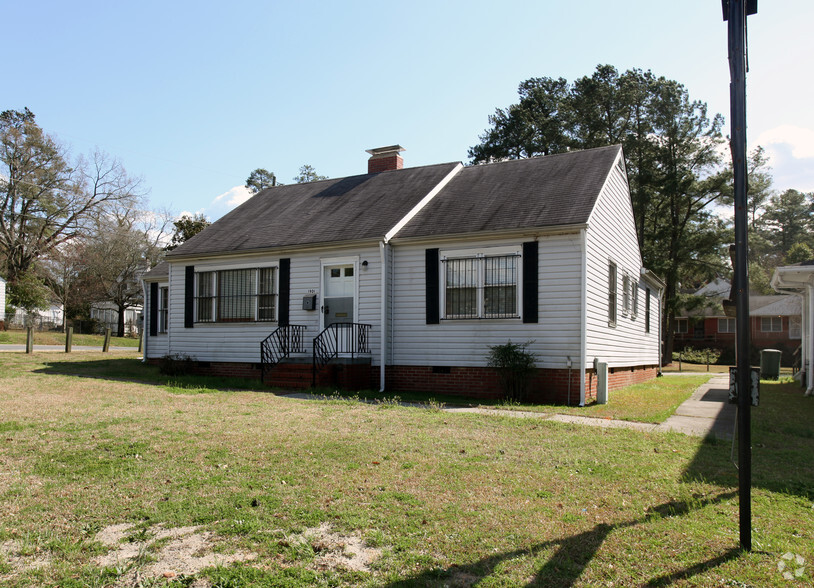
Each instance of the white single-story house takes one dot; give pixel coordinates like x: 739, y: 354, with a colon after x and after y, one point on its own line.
x: 405, y: 277
x: 798, y: 279
x: 41, y: 318
x: 106, y: 314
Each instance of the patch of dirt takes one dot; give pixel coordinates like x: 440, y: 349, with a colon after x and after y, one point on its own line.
x: 166, y: 553
x: 159, y: 553
x: 12, y: 554
x: 334, y: 550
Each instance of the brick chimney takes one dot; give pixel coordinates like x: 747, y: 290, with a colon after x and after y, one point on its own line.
x: 384, y: 159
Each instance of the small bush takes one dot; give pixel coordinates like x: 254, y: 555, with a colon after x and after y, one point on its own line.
x: 514, y: 366
x: 691, y: 355
x: 176, y: 364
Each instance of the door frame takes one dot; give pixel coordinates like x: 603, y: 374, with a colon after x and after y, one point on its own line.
x: 334, y: 261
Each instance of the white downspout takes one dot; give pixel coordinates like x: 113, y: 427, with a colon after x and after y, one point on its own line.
x: 383, y: 314
x: 583, y: 321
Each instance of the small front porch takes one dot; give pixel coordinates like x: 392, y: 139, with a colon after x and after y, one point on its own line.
x: 340, y: 356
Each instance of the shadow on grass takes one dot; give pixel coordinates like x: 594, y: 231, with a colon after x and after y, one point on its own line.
x: 782, y: 446
x: 573, y: 554
x: 135, y: 371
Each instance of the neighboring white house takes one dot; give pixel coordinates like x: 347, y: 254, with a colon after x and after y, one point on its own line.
x: 799, y: 279
x: 106, y: 314
x: 423, y: 269
x: 41, y: 318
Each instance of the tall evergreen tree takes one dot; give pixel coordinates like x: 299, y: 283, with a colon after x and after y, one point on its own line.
x: 672, y: 149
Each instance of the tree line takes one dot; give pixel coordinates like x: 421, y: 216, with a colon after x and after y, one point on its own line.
x: 678, y: 170
x: 79, y: 231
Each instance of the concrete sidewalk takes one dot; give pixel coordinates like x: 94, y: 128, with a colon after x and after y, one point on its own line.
x: 706, y: 412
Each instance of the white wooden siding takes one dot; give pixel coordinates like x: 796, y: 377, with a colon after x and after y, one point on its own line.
x: 158, y: 345
x: 466, y: 342
x: 240, y: 342
x: 612, y: 237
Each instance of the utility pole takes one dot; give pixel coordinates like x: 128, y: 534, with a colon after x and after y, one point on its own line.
x: 735, y: 12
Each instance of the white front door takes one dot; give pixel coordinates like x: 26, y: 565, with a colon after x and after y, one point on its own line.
x: 338, y: 300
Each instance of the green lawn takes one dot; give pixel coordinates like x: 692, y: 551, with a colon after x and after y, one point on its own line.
x: 343, y: 493
x: 651, y: 402
x: 56, y: 338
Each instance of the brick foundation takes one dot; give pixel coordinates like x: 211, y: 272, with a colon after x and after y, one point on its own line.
x: 547, y: 385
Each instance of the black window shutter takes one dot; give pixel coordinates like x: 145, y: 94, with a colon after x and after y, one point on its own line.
x: 431, y: 268
x: 189, y: 297
x: 530, y: 286
x: 285, y: 292
x: 153, y: 309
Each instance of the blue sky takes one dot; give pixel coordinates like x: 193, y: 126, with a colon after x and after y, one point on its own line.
x: 192, y: 96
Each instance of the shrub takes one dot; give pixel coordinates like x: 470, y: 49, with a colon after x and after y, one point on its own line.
x: 690, y: 355
x: 176, y: 364
x: 514, y: 365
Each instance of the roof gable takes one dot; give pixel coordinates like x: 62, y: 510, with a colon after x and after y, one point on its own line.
x: 538, y: 192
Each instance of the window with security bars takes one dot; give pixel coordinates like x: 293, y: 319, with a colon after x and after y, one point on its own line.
x: 481, y: 287
x: 240, y: 295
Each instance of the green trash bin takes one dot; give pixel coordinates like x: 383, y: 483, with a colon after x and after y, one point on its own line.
x: 770, y: 363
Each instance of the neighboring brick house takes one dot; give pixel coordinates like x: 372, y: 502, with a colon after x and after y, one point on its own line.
x: 419, y: 271
x: 775, y: 323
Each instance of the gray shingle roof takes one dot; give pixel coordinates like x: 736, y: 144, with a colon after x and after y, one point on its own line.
x: 541, y: 192
x: 528, y: 193
x: 328, y: 211
x: 160, y: 272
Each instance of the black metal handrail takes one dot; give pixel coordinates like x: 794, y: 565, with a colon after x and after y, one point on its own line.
x: 336, y: 338
x: 282, y: 342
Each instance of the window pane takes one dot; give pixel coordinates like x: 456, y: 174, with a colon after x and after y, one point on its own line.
x: 461, y: 288
x: 203, y: 297
x: 267, y: 298
x: 612, y: 293
x: 236, y: 292
x: 500, y: 289
x: 163, y: 307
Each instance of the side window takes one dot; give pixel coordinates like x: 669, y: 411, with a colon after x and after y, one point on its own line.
x: 163, y: 309
x: 612, y: 278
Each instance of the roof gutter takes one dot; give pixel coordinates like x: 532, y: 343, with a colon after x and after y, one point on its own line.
x: 273, y: 250
x: 524, y: 232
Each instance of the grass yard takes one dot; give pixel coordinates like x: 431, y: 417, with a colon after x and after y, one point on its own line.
x: 56, y: 338
x: 649, y: 402
x: 110, y: 482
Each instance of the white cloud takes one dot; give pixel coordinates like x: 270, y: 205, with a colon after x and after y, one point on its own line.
x: 234, y: 197
x: 790, y: 150
x: 799, y: 140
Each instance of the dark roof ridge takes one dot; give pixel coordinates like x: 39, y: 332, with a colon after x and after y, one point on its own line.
x: 615, y: 146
